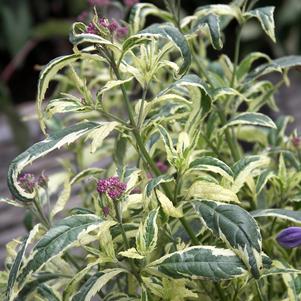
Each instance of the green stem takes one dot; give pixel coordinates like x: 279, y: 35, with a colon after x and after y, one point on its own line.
x: 144, y: 152
x: 220, y: 292
x: 140, y: 119
x: 41, y: 214
x: 260, y: 296
x: 119, y: 218
x: 109, y: 115
x: 236, y: 56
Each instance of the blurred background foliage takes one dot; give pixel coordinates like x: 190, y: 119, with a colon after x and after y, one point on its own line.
x: 32, y: 32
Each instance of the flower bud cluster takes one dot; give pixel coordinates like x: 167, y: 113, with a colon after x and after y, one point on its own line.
x: 112, y: 186
x: 29, y: 182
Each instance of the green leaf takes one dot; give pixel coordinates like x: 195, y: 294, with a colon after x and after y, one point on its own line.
x: 294, y: 216
x: 245, y: 168
x: 95, y: 283
x: 254, y: 119
x: 40, y: 149
x: 237, y: 228
x: 168, y: 32
x: 214, y: 165
x: 211, y: 191
x: 265, y: 16
x: 141, y: 10
x: 88, y: 172
x: 46, y: 75
x: 201, y: 262
x: 69, y: 232
x: 212, y: 24
x: 154, y: 182
x: 147, y: 235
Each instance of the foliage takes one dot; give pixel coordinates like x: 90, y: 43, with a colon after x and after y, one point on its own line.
x: 195, y: 179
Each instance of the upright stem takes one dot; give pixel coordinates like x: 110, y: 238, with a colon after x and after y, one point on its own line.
x: 144, y: 152
x: 236, y: 56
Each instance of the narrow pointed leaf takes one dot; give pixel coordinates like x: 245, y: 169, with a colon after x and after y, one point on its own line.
x: 291, y: 215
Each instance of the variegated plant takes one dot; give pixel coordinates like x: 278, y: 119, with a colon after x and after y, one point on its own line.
x: 174, y: 192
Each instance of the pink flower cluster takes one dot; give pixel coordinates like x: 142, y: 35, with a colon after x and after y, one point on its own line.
x: 114, y: 27
x: 130, y: 3
x: 112, y: 186
x: 296, y: 141
x: 27, y: 181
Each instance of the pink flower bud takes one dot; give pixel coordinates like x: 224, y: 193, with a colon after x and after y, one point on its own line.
x: 112, y: 186
x: 27, y: 181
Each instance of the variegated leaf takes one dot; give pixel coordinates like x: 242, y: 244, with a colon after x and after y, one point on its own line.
x: 46, y: 75
x: 154, y: 182
x: 69, y: 232
x: 95, y: 283
x: 165, y: 31
x: 214, y: 165
x: 236, y: 227
x: 254, y: 119
x: 211, y: 191
x: 147, y: 235
x: 141, y: 10
x: 247, y: 167
x: 212, y: 24
x: 40, y: 149
x: 167, y: 205
x: 201, y: 262
x: 131, y: 253
x: 291, y: 215
x: 265, y: 16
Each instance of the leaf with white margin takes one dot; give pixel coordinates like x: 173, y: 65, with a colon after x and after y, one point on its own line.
x: 62, y: 199
x: 247, y: 167
x: 188, y: 80
x: 98, y: 134
x: 14, y: 270
x: 214, y: 165
x: 154, y: 182
x: 113, y: 84
x: 277, y: 65
x: 141, y: 10
x: 147, y: 236
x: 201, y: 262
x: 46, y: 75
x: 219, y: 10
x: 95, y: 283
x: 265, y: 16
x: 263, y: 179
x: 167, y: 205
x: 131, y: 253
x: 165, y: 31
x: 211, y: 191
x: 254, y: 119
x: 291, y: 215
x: 72, y: 287
x: 236, y: 227
x: 69, y: 232
x: 212, y: 24
x: 54, y: 141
